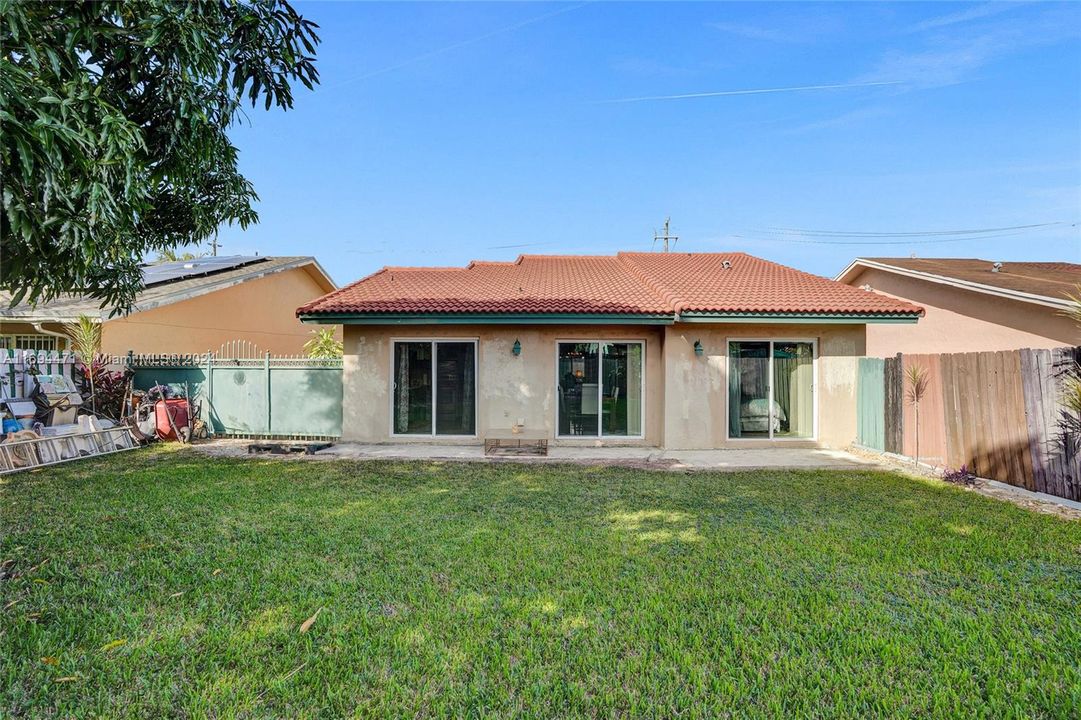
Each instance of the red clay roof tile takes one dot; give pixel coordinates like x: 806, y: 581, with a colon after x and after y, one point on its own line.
x: 627, y: 283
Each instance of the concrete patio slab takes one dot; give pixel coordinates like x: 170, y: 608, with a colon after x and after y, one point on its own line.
x: 741, y: 459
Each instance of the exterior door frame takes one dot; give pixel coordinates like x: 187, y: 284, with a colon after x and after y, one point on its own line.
x: 434, y: 341
x: 600, y: 387
x: 769, y: 424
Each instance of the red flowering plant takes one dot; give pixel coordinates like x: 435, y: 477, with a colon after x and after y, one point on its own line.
x: 103, y: 390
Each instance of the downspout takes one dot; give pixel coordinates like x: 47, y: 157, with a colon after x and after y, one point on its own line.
x: 43, y: 331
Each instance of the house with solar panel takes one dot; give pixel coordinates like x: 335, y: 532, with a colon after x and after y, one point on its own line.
x: 187, y: 306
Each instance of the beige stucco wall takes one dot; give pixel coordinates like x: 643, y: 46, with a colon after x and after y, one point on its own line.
x: 509, y: 388
x: 959, y: 320
x: 685, y: 395
x: 262, y: 311
x: 696, y: 408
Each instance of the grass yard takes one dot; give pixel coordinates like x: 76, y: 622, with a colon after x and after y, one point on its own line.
x: 163, y: 583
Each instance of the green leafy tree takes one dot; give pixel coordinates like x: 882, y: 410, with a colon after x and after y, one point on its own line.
x: 323, y: 345
x: 114, y: 117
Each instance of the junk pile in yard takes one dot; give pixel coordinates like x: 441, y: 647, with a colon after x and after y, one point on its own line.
x: 52, y: 413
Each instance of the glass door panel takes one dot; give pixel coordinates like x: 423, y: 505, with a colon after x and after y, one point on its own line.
x: 793, y: 388
x: 455, y: 404
x: 578, y: 388
x: 621, y: 405
x: 413, y: 388
x: 749, y: 412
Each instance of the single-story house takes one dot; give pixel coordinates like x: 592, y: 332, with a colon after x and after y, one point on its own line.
x: 674, y: 350
x: 970, y: 305
x: 188, y: 306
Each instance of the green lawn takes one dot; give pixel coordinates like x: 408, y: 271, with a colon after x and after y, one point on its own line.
x: 162, y: 583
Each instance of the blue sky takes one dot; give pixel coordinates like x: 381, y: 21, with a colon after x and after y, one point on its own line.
x: 447, y: 132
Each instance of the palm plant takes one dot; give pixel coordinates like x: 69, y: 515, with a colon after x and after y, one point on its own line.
x: 85, y: 335
x: 1070, y: 419
x: 1074, y: 310
x: 917, y: 381
x: 323, y: 345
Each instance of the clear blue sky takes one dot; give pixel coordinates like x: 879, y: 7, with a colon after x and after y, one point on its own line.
x: 447, y: 132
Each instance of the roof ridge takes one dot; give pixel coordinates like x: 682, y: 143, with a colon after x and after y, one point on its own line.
x: 420, y: 268
x: 474, y: 263
x: 331, y: 295
x: 565, y: 257
x: 665, y: 294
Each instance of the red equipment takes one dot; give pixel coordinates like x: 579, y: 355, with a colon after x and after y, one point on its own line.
x: 170, y: 416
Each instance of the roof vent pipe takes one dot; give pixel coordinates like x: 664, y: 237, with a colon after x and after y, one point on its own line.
x: 996, y: 267
x: 726, y: 265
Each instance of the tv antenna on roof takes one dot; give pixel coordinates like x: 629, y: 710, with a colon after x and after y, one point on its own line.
x: 666, y: 237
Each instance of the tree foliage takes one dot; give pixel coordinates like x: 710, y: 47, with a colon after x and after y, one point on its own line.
x: 114, y: 118
x: 172, y: 255
x: 323, y: 345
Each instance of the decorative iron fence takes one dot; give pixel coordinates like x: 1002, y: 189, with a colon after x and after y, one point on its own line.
x: 997, y: 413
x: 250, y: 394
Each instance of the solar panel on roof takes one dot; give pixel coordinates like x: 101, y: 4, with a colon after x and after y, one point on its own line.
x: 181, y: 269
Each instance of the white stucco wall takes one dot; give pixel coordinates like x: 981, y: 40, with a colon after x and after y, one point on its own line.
x: 685, y: 395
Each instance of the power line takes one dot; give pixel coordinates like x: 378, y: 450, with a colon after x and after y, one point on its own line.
x: 666, y: 236
x: 1021, y: 230
x: 755, y: 91
x: 920, y: 233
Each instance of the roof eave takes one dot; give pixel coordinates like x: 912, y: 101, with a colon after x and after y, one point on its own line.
x: 1060, y: 304
x: 346, y: 318
x: 786, y: 318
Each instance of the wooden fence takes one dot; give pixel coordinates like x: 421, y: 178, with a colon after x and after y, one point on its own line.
x: 997, y: 413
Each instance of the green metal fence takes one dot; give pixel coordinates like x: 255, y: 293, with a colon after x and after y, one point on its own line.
x: 871, y: 403
x: 253, y: 396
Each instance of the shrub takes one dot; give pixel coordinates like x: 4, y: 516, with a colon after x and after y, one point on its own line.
x: 105, y: 389
x: 960, y: 476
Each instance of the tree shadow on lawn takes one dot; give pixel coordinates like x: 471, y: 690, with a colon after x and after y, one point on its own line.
x: 442, y: 576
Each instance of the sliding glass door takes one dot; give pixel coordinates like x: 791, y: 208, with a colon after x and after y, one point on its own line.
x: 599, y: 387
x: 771, y: 389
x: 434, y: 388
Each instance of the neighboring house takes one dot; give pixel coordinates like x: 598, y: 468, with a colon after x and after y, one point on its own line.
x: 188, y: 306
x: 970, y: 305
x: 661, y: 349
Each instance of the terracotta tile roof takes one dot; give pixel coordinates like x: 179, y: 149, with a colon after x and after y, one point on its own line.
x: 627, y: 283
x: 1047, y: 279
x: 699, y: 282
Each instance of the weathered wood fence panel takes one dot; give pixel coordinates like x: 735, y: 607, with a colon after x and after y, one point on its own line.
x: 998, y: 413
x: 894, y: 393
x: 932, y: 425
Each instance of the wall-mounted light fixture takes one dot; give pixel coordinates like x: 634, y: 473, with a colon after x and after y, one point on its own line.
x: 698, y: 349
x: 517, y: 349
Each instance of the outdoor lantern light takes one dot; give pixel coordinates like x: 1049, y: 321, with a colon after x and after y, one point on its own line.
x: 698, y: 349
x: 517, y: 349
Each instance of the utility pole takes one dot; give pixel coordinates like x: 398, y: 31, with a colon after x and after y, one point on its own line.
x: 666, y: 237
x: 214, y: 245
